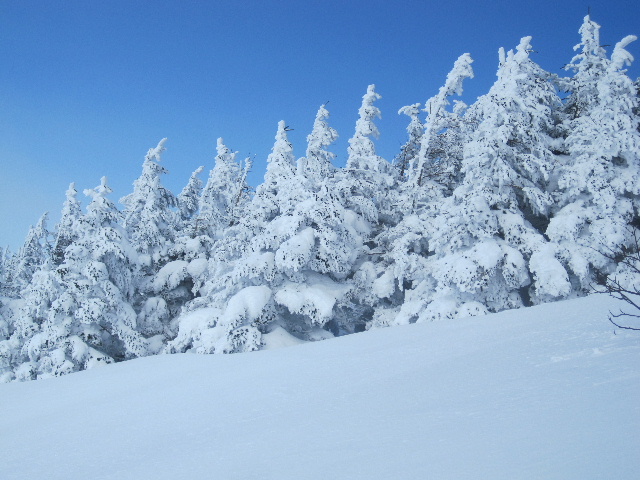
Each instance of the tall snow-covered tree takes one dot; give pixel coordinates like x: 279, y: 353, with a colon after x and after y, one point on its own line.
x: 223, y: 195
x: 599, y: 183
x: 188, y: 201
x: 277, y: 194
x: 35, y: 251
x: 439, y: 155
x: 149, y: 218
x: 151, y: 224
x: 7, y: 270
x: 4, y: 257
x: 66, y: 231
x: 367, y: 181
x: 219, y: 206
x: 484, y: 248
x: 20, y: 354
x: 403, y: 248
x: 78, y: 315
x: 316, y: 166
x: 406, y: 159
x: 219, y: 332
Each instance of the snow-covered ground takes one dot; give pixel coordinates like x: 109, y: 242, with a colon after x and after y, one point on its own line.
x: 548, y: 392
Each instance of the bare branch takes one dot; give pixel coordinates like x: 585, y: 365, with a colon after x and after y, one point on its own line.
x: 623, y: 326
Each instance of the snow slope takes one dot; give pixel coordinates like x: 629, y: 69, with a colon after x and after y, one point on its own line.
x: 548, y: 392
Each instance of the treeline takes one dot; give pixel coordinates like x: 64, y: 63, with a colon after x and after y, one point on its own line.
x: 521, y: 198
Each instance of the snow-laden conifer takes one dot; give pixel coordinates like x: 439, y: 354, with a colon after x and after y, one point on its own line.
x: 277, y: 194
x: 300, y: 244
x: 35, y: 251
x: 367, y: 181
x: 5, y: 259
x: 316, y: 166
x: 222, y: 204
x: 400, y: 263
x: 66, y: 230
x: 406, y: 159
x: 485, y: 250
x: 600, y: 176
x: 30, y: 341
x: 437, y: 161
x: 149, y: 218
x: 77, y: 315
x: 151, y: 224
x: 220, y: 195
x: 189, y: 199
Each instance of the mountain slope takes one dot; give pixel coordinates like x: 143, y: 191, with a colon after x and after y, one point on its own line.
x: 545, y: 392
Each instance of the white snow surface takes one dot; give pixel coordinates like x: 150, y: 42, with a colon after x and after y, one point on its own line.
x: 548, y: 392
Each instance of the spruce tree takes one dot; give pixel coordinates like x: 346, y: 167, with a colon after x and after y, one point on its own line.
x: 220, y: 197
x: 188, y: 202
x: 406, y: 159
x: 299, y: 246
x: 35, y: 251
x: 367, y: 182
x: 149, y: 218
x: 488, y: 254
x: 437, y: 161
x: 401, y: 265
x: 600, y: 177
x: 316, y: 166
x: 66, y: 231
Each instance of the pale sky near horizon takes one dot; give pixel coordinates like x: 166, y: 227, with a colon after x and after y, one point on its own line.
x: 86, y: 88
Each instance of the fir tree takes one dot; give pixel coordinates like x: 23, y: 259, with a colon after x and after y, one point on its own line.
x: 35, y: 251
x: 599, y: 180
x: 298, y: 250
x: 367, y: 181
x: 276, y: 195
x: 439, y: 158
x: 316, y: 166
x: 406, y: 159
x: 149, y: 219
x: 66, y: 231
x: 403, y: 248
x: 484, y: 243
x: 218, y: 203
x: 189, y: 201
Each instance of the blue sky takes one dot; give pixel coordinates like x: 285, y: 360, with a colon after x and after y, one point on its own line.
x: 86, y: 88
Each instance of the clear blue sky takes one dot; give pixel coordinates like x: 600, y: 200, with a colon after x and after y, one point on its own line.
x: 86, y: 88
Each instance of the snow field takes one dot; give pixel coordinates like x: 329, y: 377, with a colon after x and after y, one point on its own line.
x: 548, y: 392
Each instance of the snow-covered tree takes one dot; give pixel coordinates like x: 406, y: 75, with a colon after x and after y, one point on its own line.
x: 439, y: 155
x: 406, y: 159
x: 402, y: 249
x: 77, y: 315
x: 218, y: 331
x: 599, y: 182
x: 66, y: 231
x: 219, y: 206
x: 224, y: 194
x: 152, y: 223
x: 300, y: 244
x: 149, y: 218
x: 367, y: 181
x: 7, y: 270
x: 189, y: 201
x: 483, y: 247
x: 20, y: 354
x: 277, y: 194
x: 35, y: 251
x: 316, y: 166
